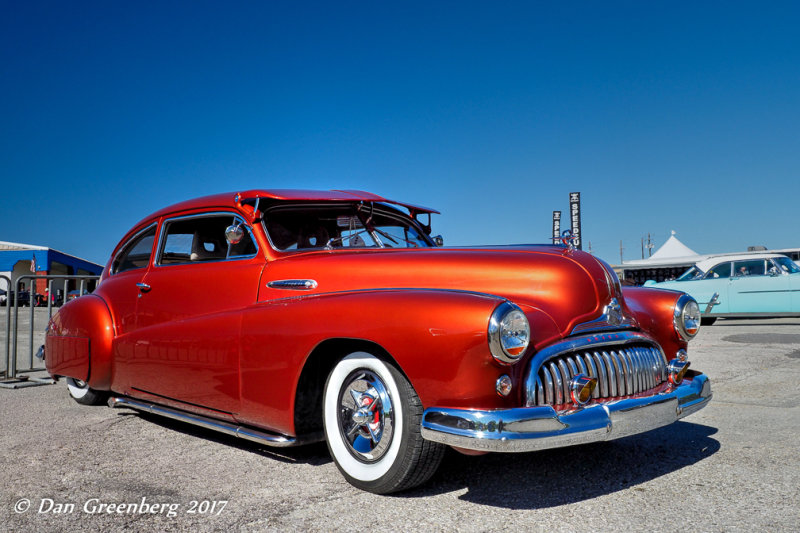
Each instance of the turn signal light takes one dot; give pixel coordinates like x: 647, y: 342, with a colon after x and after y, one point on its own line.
x: 677, y: 370
x: 581, y: 388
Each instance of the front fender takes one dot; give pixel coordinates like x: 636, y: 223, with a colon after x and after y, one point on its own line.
x: 654, y: 309
x: 437, y: 337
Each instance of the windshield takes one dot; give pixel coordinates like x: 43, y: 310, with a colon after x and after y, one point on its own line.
x: 787, y: 265
x: 692, y: 273
x: 341, y: 225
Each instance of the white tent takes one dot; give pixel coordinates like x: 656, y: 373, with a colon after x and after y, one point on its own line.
x: 672, y: 252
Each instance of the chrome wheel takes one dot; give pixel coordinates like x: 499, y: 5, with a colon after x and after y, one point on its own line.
x: 366, y: 418
x: 372, y: 419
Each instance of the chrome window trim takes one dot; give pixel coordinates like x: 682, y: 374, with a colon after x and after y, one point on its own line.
x: 162, y: 235
x: 113, y: 271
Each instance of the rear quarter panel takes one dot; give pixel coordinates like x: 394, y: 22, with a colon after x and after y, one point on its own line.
x: 78, y: 342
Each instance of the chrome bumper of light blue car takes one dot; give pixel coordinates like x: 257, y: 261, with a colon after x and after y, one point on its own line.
x: 526, y: 429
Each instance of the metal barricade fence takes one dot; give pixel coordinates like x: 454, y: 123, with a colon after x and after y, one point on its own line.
x: 15, y: 297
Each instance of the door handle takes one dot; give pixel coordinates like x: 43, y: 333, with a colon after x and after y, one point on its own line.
x: 143, y: 287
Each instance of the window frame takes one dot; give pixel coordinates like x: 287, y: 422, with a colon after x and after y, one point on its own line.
x: 236, y: 218
x: 114, y: 270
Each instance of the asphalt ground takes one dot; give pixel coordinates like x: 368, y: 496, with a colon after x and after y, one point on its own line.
x: 733, y: 466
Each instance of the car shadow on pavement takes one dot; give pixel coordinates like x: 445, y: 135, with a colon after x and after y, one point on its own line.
x: 312, y: 454
x: 561, y: 476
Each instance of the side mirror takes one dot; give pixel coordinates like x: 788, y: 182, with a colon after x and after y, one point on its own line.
x: 438, y: 241
x: 234, y: 234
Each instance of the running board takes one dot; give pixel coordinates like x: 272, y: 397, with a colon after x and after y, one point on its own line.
x: 268, y: 439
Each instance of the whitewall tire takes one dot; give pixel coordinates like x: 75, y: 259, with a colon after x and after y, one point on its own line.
x: 81, y: 393
x: 372, y: 417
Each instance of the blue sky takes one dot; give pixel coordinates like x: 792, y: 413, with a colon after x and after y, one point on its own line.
x: 664, y: 115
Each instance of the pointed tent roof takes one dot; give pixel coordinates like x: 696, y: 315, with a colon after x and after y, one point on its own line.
x: 672, y: 252
x: 672, y: 248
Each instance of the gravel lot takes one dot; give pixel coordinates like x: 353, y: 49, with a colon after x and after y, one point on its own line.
x: 734, y: 466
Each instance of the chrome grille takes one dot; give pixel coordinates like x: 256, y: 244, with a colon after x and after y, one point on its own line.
x: 621, y: 371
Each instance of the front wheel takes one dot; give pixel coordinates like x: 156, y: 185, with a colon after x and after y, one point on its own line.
x: 81, y: 393
x: 372, y: 418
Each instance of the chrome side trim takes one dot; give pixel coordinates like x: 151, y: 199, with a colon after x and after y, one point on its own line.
x: 294, y: 284
x: 711, y: 303
x: 243, y: 432
x: 526, y: 429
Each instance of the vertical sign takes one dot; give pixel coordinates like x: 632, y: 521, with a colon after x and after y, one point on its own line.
x: 556, y: 227
x: 575, y: 216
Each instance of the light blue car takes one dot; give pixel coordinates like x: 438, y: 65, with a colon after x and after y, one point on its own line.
x: 748, y: 285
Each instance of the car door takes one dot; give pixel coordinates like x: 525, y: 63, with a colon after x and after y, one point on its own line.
x: 189, y: 313
x: 120, y: 288
x: 753, y: 290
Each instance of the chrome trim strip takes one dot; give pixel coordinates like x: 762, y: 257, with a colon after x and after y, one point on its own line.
x: 711, y: 303
x: 526, y: 429
x: 294, y: 284
x: 243, y: 432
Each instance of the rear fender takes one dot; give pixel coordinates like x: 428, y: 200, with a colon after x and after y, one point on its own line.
x: 78, y: 342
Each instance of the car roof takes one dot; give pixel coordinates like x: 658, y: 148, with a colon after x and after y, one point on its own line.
x: 705, y: 264
x: 231, y: 199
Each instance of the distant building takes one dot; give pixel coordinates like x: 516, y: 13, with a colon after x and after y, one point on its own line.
x: 18, y: 260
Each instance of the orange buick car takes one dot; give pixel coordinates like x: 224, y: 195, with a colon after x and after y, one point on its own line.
x: 290, y: 316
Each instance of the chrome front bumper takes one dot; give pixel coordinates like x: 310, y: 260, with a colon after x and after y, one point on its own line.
x: 526, y: 429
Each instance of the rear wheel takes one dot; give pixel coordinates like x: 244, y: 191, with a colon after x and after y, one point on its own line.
x: 372, y: 418
x: 81, y: 393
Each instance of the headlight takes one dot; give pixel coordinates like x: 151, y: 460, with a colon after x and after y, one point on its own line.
x: 687, y: 317
x: 509, y: 333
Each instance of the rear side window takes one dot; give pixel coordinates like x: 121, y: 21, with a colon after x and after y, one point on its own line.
x: 136, y: 253
x: 754, y: 267
x: 723, y: 270
x: 202, y: 238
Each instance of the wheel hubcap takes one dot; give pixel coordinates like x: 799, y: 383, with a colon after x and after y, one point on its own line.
x: 366, y: 418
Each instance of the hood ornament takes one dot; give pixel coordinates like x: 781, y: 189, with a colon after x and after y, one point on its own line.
x: 568, y: 240
x: 613, y: 312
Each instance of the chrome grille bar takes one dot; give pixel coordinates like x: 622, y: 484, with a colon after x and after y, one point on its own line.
x: 621, y: 371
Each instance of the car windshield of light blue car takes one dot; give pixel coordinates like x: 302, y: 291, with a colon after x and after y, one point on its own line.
x: 787, y: 265
x: 692, y: 273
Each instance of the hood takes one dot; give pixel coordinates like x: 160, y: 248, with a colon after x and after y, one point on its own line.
x: 571, y: 287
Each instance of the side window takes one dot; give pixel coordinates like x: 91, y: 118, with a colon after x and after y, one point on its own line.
x: 753, y: 267
x: 136, y: 253
x: 201, y: 238
x: 722, y: 270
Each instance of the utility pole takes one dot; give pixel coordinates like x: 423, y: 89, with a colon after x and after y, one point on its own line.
x: 620, y: 252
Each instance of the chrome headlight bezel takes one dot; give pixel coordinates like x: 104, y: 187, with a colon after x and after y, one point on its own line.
x: 686, y: 317
x: 509, y: 333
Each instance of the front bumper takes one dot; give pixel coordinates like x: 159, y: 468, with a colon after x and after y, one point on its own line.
x: 526, y: 429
